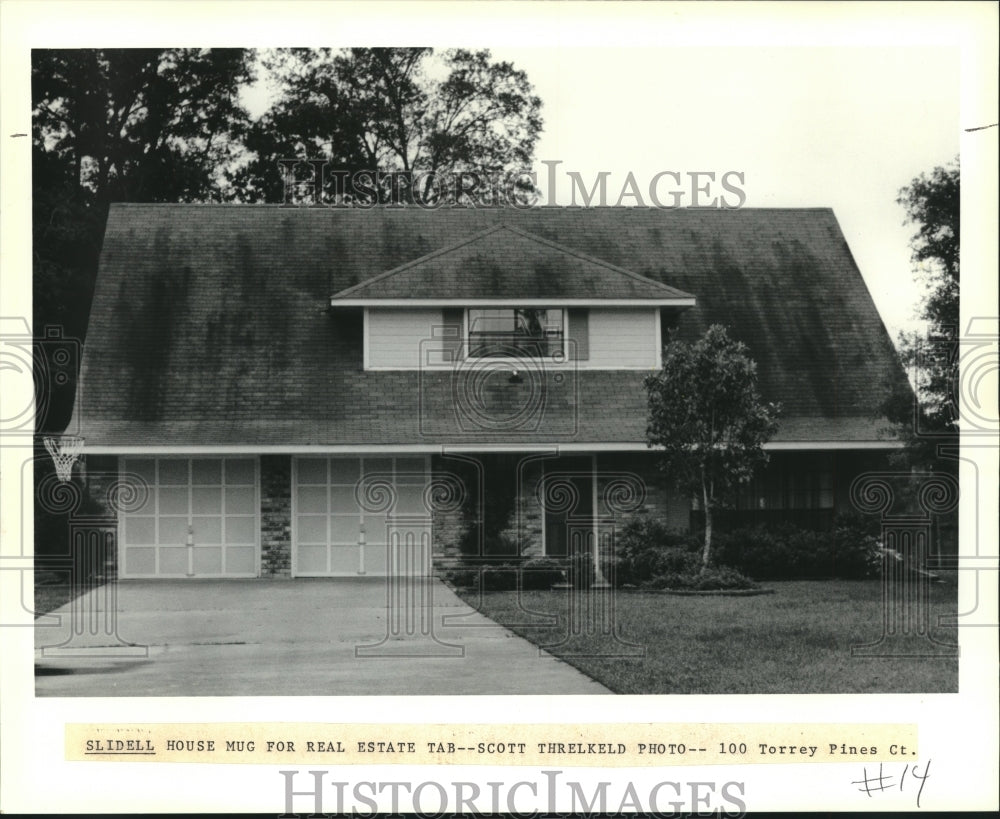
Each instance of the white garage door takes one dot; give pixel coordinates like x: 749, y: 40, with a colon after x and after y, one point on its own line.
x: 359, y: 516
x: 214, y: 500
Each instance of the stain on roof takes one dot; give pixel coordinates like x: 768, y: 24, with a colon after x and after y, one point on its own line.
x: 210, y: 323
x: 504, y: 262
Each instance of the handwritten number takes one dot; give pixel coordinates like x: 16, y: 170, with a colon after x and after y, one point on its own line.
x: 923, y: 779
x: 873, y: 784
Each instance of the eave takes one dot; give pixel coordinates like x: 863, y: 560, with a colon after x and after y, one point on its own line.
x: 514, y: 302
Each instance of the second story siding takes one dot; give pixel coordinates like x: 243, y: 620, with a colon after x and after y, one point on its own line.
x: 598, y: 338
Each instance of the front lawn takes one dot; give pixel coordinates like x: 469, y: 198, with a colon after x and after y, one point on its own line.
x: 795, y: 641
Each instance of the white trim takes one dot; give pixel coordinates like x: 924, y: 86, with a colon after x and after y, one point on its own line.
x: 486, y: 446
x: 593, y: 511
x: 548, y: 302
x: 364, y: 340
x: 658, y: 342
x: 545, y: 523
x: 780, y: 446
x: 502, y: 361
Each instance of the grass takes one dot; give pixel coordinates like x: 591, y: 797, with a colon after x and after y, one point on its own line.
x: 795, y: 641
x: 52, y: 591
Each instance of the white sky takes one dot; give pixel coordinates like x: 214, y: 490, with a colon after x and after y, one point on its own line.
x: 830, y: 127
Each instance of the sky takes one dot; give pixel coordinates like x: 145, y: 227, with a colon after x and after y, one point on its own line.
x: 844, y: 128
x: 838, y: 127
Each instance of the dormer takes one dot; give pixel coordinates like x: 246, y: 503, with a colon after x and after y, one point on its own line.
x: 508, y: 295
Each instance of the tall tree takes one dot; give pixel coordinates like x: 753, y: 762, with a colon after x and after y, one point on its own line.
x: 129, y: 125
x: 932, y: 203
x: 393, y: 110
x: 707, y: 419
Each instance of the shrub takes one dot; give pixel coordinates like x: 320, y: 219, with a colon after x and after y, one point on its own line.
x: 498, y: 578
x: 580, y: 570
x: 785, y: 551
x: 462, y: 578
x: 646, y: 548
x: 714, y: 578
x: 541, y: 574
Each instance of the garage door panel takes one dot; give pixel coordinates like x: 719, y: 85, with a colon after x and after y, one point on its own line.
x: 172, y: 472
x: 240, y: 500
x: 345, y: 529
x: 312, y: 559
x: 240, y: 559
x: 375, y: 528
x: 173, y: 560
x: 207, y: 530
x: 172, y: 501
x: 206, y: 471
x: 241, y: 472
x: 145, y: 468
x: 312, y: 471
x: 312, y: 529
x: 313, y: 499
x: 343, y: 499
x: 206, y: 500
x: 345, y: 471
x: 140, y: 561
x: 375, y: 560
x: 345, y: 559
x: 208, y: 560
x: 241, y: 530
x: 140, y: 530
x: 172, y: 531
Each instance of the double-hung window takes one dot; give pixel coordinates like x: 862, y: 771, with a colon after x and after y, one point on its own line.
x: 516, y: 332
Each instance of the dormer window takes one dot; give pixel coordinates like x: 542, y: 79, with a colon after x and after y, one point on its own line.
x: 516, y: 332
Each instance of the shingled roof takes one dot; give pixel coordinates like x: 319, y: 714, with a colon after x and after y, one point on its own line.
x: 504, y: 262
x: 210, y: 324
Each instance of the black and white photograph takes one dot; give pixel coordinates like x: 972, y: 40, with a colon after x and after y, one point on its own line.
x: 476, y: 375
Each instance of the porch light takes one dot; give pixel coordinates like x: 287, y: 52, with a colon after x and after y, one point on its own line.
x: 515, y: 378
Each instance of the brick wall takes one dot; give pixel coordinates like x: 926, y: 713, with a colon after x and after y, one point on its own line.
x: 629, y: 486
x: 276, y: 515
x: 101, y: 475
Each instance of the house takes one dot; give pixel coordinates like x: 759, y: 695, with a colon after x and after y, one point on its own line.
x: 294, y: 388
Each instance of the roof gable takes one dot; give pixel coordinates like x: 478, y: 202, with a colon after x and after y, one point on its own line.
x: 506, y: 263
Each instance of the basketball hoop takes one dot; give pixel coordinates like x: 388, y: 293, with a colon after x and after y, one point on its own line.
x: 64, y: 450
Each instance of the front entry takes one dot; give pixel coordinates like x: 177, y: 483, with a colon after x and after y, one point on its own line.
x: 360, y: 516
x: 568, y: 498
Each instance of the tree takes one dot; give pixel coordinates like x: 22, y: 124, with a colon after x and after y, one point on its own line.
x: 125, y: 125
x: 393, y: 110
x: 932, y: 203
x: 707, y: 418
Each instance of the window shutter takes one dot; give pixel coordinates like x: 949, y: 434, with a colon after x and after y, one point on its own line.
x: 451, y: 334
x: 579, y: 333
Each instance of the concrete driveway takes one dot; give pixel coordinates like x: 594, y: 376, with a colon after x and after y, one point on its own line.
x: 287, y: 637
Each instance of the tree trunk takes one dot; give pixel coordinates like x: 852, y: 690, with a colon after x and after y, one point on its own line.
x: 708, y: 527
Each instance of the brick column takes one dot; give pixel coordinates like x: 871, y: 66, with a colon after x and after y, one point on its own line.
x: 276, y: 515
